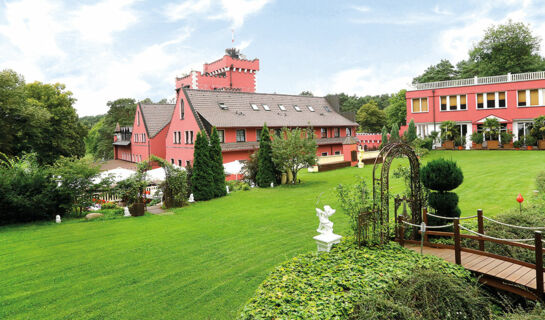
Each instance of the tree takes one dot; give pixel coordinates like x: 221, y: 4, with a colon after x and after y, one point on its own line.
x: 384, y: 141
x: 394, y: 134
x: 216, y: 161
x: 411, y: 132
x: 202, y: 179
x: 120, y: 111
x: 354, y: 103
x: 370, y: 117
x: 396, y: 112
x: 506, y: 48
x: 294, y: 150
x: 306, y: 93
x: 90, y: 121
x: 175, y: 186
x: 265, y: 165
x: 444, y: 70
x: 63, y: 135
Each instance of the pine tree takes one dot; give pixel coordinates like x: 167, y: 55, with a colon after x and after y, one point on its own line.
x: 411, y: 132
x: 202, y: 179
x: 265, y: 167
x: 394, y: 134
x: 384, y: 137
x: 216, y: 160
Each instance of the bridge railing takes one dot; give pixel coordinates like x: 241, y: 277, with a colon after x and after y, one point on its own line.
x: 481, y: 238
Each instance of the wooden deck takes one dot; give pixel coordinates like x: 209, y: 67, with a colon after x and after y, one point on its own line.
x: 495, y: 270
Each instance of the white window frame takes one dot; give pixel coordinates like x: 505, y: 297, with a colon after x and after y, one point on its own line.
x: 266, y: 107
x: 281, y: 107
x: 458, y: 103
x: 311, y: 108
x: 254, y: 106
x: 540, y: 96
x: 496, y: 100
x: 427, y: 101
x: 297, y: 108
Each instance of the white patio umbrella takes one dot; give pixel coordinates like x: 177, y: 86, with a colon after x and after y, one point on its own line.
x: 234, y: 167
x: 117, y: 174
x: 156, y: 175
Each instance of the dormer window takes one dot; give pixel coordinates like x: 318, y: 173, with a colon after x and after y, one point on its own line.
x: 266, y: 107
x: 281, y: 107
x: 310, y: 108
x: 223, y: 106
x: 326, y: 108
x: 296, y: 107
x: 254, y: 106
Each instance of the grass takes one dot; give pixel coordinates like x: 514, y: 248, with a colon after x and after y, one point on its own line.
x: 206, y: 260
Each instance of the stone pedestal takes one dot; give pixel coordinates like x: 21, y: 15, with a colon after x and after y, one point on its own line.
x: 326, y: 241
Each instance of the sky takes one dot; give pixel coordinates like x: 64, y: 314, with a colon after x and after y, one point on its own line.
x: 110, y: 49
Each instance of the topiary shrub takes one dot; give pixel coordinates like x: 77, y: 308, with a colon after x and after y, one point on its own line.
x: 442, y: 176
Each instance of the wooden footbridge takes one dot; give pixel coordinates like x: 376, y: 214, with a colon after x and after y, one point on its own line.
x: 504, y: 273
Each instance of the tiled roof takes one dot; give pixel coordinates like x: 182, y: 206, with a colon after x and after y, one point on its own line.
x: 156, y: 117
x: 239, y: 146
x: 343, y: 140
x: 122, y: 143
x: 239, y: 113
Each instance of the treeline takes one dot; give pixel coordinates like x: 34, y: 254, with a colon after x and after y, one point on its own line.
x: 506, y: 48
x: 38, y: 118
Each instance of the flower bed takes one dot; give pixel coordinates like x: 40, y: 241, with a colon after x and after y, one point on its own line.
x: 327, y: 286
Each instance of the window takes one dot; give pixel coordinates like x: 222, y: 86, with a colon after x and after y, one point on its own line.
x: 223, y: 106
x: 278, y: 132
x: 266, y: 107
x: 137, y: 118
x: 523, y: 129
x: 296, y: 107
x: 480, y: 101
x: 171, y: 161
x: 348, y: 132
x: 326, y: 108
x: 463, y: 102
x: 337, y: 132
x: 241, y: 135
x: 324, y: 154
x: 532, y: 97
x: 254, y: 106
x: 492, y: 100
x: 258, y: 134
x: 221, y: 134
x: 443, y: 103
x: 182, y: 109
x: 189, y: 137
x: 453, y: 105
x: 337, y: 152
x: 420, y: 105
x: 323, y: 132
x: 281, y: 107
x: 179, y: 163
x: 187, y: 163
x: 501, y: 100
x: 310, y: 108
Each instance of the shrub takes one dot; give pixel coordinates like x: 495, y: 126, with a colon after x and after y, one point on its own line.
x: 29, y: 192
x: 428, y: 295
x: 507, y: 136
x: 538, y: 128
x: 411, y: 132
x: 518, y: 143
x: 109, y: 205
x: 216, y: 162
x: 250, y: 168
x: 384, y: 140
x: 202, y: 181
x: 537, y: 313
x: 354, y: 199
x: 328, y: 286
x: 477, y: 137
x: 236, y: 185
x: 394, y: 133
x: 265, y: 168
x: 530, y: 140
x: 449, y: 131
x: 441, y: 175
x: 444, y: 202
x: 540, y: 182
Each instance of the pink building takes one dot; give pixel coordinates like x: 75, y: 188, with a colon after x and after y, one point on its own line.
x: 514, y: 99
x: 369, y: 141
x: 223, y: 96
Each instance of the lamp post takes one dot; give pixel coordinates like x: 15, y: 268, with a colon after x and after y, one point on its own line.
x: 520, y: 199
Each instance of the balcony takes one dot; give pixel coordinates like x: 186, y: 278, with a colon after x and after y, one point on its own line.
x: 539, y: 75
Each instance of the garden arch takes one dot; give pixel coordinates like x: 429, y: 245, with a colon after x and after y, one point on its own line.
x: 381, y: 188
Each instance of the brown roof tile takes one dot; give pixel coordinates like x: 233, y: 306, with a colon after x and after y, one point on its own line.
x: 241, y: 114
x: 156, y: 117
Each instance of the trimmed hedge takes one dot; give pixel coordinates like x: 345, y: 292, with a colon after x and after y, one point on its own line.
x: 441, y: 175
x: 327, y: 286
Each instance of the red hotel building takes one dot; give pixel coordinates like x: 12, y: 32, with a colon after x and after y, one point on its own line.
x: 514, y: 99
x: 223, y: 96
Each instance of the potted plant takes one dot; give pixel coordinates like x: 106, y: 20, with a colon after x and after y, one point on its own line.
x: 477, y: 139
x: 491, y: 128
x: 507, y: 139
x: 529, y: 141
x: 449, y: 131
x: 459, y: 142
x: 517, y: 144
x: 538, y: 131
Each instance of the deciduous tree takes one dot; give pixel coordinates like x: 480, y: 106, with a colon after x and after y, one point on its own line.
x: 370, y: 117
x: 396, y: 112
x: 294, y: 150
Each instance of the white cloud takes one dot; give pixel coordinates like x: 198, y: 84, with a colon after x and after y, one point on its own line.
x: 237, y: 11
x: 98, y: 22
x: 182, y: 10
x: 362, y: 8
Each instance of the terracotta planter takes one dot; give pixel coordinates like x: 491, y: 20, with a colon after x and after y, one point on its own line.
x: 449, y: 145
x: 541, y: 144
x: 529, y: 147
x: 137, y: 209
x: 517, y: 149
x: 508, y: 145
x: 477, y: 146
x: 493, y: 145
x: 460, y: 148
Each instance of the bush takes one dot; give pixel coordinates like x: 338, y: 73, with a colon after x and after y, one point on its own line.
x: 250, y: 169
x: 530, y: 140
x: 328, y: 286
x: 518, y: 143
x: 428, y: 295
x: 443, y: 202
x: 109, y: 205
x: 29, y: 192
x: 236, y: 185
x: 540, y: 182
x: 477, y: 137
x: 441, y: 175
x: 354, y: 199
x: 537, y: 313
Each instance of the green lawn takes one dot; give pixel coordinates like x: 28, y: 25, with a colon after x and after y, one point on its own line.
x: 205, y: 261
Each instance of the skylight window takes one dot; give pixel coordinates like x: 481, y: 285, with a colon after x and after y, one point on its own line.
x: 254, y: 106
x: 297, y: 108
x: 281, y: 106
x: 223, y: 106
x: 310, y: 108
x: 266, y: 107
x: 327, y: 109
